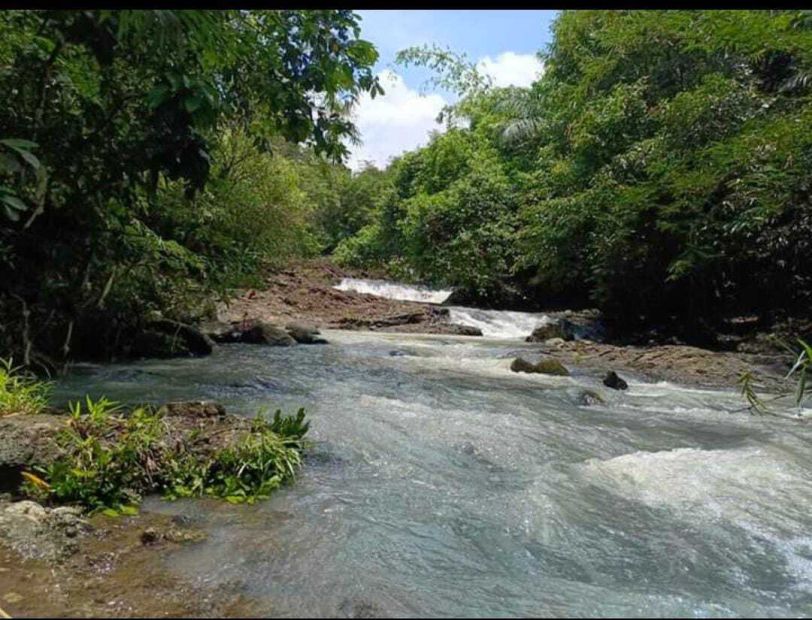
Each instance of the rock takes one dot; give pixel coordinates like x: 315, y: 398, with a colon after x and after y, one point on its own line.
x: 195, y: 409
x: 28, y: 509
x: 465, y: 330
x: 268, y: 334
x: 195, y: 341
x: 561, y: 328
x: 149, y: 536
x: 546, y: 366
x: 177, y: 535
x: 34, y: 531
x: 611, y: 380
x: 550, y: 366
x: 304, y: 333
x: 27, y: 440
x: 587, y: 398
x: 222, y: 332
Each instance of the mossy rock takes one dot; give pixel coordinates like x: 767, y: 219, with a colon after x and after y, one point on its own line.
x: 546, y: 366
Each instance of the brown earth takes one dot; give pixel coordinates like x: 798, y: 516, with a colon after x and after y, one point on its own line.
x: 114, y: 574
x: 305, y: 292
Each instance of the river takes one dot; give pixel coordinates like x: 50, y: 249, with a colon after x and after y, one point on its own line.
x: 442, y: 484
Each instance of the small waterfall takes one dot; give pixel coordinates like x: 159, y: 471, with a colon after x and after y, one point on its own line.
x: 394, y: 290
x: 498, y: 323
x: 492, y: 323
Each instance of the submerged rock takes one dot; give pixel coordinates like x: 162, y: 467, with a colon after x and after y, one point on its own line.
x: 587, y: 398
x: 546, y: 366
x: 304, y: 333
x: 612, y: 380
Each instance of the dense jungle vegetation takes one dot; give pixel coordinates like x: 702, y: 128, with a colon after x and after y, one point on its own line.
x: 150, y: 160
x: 660, y: 169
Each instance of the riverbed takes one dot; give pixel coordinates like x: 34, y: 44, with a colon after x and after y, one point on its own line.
x: 442, y: 484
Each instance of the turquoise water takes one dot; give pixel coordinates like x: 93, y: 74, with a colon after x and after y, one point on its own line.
x: 442, y: 484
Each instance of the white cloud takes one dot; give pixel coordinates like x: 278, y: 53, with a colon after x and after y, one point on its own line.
x: 398, y: 121
x: 401, y: 119
x: 512, y: 69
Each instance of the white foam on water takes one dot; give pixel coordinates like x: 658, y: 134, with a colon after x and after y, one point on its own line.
x: 498, y: 323
x: 708, y: 483
x: 394, y: 290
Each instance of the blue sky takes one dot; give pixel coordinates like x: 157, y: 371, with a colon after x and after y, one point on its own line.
x: 505, y: 44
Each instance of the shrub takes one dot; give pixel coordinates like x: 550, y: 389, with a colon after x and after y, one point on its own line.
x: 21, y: 393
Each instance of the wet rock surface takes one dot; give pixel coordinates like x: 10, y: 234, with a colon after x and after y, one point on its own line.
x: 613, y: 381
x: 305, y: 293
x: 305, y: 333
x: 546, y: 366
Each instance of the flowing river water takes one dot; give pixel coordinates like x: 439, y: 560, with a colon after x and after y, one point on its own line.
x: 442, y: 484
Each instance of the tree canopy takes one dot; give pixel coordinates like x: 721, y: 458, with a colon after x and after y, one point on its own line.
x: 659, y: 169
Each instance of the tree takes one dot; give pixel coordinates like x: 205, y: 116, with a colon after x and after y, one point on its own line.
x: 117, y: 103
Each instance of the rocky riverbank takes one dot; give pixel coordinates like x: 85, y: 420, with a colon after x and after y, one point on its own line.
x: 83, y: 548
x: 305, y: 291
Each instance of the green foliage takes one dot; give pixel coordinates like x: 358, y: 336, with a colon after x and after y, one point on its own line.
x: 802, y: 368
x: 21, y: 393
x: 288, y: 426
x: 659, y: 169
x: 153, y: 182
x: 111, y: 459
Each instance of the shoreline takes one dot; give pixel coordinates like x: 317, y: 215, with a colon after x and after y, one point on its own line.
x: 304, y: 292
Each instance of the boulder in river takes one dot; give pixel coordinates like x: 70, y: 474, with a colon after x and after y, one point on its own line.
x: 587, y: 398
x: 37, y: 532
x: 269, y: 334
x: 561, y: 328
x: 546, y: 366
x: 612, y: 380
x: 465, y: 330
x: 304, y: 333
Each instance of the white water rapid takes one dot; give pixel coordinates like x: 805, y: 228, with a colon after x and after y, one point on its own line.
x: 501, y: 324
